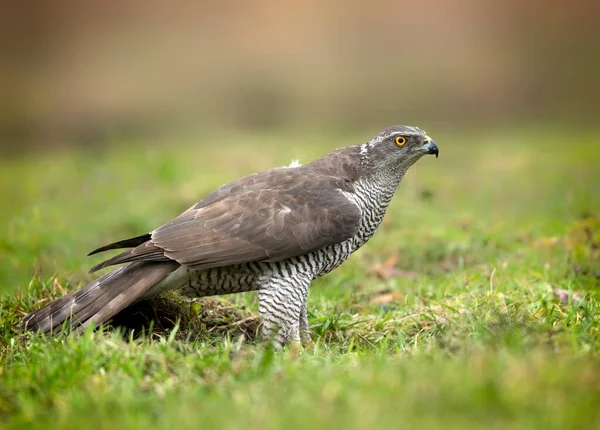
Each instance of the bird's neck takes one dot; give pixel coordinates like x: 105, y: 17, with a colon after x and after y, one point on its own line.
x: 387, y: 178
x: 373, y: 195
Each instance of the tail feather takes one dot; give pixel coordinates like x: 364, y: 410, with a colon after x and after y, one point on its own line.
x: 127, y: 243
x: 100, y: 300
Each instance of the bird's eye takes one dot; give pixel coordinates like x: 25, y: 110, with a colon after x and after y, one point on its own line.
x: 400, y: 140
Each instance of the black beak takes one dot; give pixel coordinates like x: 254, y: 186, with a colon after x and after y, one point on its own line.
x: 431, y: 148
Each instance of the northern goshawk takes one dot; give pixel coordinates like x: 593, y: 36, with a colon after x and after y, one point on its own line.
x: 272, y: 232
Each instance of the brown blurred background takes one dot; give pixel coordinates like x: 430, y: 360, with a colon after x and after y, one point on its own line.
x: 81, y: 72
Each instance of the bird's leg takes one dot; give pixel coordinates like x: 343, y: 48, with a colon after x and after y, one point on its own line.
x: 281, y: 304
x: 304, y: 331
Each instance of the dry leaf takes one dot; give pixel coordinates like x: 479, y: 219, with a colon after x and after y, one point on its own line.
x: 565, y: 295
x: 387, y: 297
x: 388, y: 270
x: 546, y: 241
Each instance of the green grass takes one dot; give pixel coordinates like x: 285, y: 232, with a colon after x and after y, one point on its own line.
x: 450, y: 317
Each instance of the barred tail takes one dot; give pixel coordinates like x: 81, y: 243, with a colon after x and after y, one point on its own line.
x: 100, y: 300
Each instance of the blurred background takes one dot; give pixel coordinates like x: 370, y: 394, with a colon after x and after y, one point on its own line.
x: 117, y: 115
x: 81, y: 73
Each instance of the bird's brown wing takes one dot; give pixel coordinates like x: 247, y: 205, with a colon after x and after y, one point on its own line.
x: 255, y: 225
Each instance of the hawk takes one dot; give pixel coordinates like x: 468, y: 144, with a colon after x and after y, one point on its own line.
x: 272, y: 232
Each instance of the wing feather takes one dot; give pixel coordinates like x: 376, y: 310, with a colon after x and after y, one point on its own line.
x: 268, y: 216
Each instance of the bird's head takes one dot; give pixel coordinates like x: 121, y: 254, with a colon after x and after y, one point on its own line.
x: 399, y: 147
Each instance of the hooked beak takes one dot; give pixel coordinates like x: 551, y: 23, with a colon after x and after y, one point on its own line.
x: 430, y: 147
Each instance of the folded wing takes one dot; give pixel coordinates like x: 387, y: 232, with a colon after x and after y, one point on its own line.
x: 254, y: 225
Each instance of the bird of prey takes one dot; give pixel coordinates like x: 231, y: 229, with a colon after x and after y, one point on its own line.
x: 272, y: 232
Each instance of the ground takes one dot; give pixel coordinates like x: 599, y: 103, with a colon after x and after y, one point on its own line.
x: 475, y: 305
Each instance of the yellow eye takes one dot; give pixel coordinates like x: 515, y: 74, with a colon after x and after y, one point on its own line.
x: 400, y: 140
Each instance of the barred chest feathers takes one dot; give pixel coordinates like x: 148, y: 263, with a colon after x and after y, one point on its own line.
x: 373, y: 198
